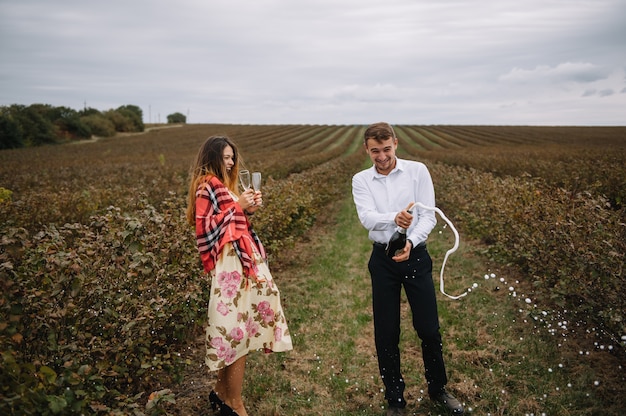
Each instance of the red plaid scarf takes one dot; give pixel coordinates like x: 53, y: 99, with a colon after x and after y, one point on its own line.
x: 220, y: 220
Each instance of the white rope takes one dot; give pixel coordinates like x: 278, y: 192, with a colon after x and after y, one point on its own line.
x: 452, y: 250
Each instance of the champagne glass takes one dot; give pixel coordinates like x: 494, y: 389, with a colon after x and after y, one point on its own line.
x: 256, y: 181
x: 244, y: 177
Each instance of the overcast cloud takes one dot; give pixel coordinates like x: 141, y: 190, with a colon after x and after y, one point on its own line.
x: 531, y: 62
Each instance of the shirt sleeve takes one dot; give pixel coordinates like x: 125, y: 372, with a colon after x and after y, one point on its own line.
x: 423, y: 220
x: 365, y: 204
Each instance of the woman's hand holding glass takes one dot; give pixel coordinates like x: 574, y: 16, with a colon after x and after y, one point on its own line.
x: 250, y: 199
x: 246, y: 201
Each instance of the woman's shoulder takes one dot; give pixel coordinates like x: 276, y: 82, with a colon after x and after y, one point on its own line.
x: 211, y: 185
x: 212, y: 182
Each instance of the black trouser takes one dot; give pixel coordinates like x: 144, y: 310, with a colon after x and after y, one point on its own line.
x: 415, y: 275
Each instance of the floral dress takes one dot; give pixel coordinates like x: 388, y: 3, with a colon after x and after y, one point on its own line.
x: 245, y: 311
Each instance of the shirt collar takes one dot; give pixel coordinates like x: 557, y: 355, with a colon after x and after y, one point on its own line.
x: 398, y: 168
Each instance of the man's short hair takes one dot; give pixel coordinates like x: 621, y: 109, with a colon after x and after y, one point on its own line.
x: 380, y: 132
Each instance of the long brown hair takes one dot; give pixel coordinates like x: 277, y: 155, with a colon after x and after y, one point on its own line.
x: 210, y: 162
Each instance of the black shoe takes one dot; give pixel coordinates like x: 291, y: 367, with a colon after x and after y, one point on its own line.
x: 449, y: 402
x: 215, y: 401
x: 226, y: 410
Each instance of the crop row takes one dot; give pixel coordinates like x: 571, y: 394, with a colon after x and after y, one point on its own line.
x: 94, y: 312
x: 570, y: 245
x: 454, y: 137
x: 577, y: 158
x: 100, y: 277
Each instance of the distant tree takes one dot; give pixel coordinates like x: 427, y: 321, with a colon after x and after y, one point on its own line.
x: 120, y: 121
x: 11, y: 136
x: 88, y: 111
x: 55, y: 113
x: 99, y: 125
x: 35, y: 123
x: 132, y: 108
x: 69, y: 123
x: 176, y: 118
x: 134, y: 114
x: 38, y: 124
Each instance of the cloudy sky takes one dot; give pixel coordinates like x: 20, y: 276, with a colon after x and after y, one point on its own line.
x: 530, y: 62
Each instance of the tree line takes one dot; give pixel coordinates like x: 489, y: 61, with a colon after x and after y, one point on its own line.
x: 39, y: 124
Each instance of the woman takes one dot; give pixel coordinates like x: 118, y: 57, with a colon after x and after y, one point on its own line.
x: 244, y: 313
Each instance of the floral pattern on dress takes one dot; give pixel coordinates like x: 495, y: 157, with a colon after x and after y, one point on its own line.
x: 244, y: 313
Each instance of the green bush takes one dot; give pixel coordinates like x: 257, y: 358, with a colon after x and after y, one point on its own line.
x: 92, y: 315
x: 99, y: 125
x: 571, y: 245
x: 5, y: 195
x: 11, y: 136
x: 298, y: 199
x: 176, y: 118
x: 134, y: 115
x: 120, y: 122
x: 35, y: 124
x: 39, y: 124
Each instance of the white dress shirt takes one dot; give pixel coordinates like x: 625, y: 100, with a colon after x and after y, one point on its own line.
x: 379, y: 198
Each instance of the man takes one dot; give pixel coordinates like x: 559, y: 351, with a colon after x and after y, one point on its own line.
x: 382, y: 195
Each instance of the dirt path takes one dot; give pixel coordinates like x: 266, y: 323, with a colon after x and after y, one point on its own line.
x: 192, y: 393
x: 94, y: 139
x: 473, y: 380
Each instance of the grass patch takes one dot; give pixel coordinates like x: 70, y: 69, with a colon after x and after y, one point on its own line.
x: 504, y: 354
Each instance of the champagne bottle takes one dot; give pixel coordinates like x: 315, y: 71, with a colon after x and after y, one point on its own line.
x: 397, y: 241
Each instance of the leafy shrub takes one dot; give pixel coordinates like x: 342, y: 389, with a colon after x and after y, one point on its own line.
x: 176, y: 118
x: 134, y: 115
x: 5, y: 195
x: 99, y: 125
x: 35, y: 125
x: 11, y: 136
x: 69, y: 124
x: 39, y: 124
x: 92, y: 315
x: 577, y: 167
x: 121, y: 122
x: 296, y: 201
x: 571, y: 245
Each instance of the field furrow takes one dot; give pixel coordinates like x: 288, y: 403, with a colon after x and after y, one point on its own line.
x: 101, y: 288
